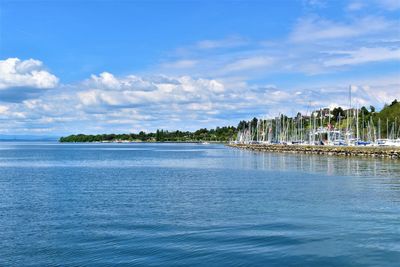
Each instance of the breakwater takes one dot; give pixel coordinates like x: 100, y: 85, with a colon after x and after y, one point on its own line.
x: 346, y: 151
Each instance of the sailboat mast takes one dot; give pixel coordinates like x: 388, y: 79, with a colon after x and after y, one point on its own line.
x: 387, y: 128
x: 357, y: 123
x: 350, y: 96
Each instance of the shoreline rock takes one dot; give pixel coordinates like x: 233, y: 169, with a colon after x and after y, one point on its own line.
x: 346, y: 151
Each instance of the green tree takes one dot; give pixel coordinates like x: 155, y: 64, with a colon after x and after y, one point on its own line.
x: 372, y: 108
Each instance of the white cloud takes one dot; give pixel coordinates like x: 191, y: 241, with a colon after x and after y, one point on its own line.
x: 389, y: 4
x: 3, y: 109
x: 303, y: 50
x: 106, y: 89
x: 315, y: 3
x: 107, y: 81
x: 25, y: 73
x: 354, y: 6
x: 363, y: 55
x: 179, y: 103
x: 88, y: 98
x: 386, y: 5
x: 229, y: 42
x: 248, y: 64
x: 311, y: 29
x: 181, y: 64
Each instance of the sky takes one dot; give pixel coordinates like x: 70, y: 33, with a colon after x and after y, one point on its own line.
x: 69, y: 67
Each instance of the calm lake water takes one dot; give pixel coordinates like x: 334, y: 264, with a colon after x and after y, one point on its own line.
x: 194, y: 205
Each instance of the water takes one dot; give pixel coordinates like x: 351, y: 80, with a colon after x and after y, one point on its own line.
x: 194, y: 205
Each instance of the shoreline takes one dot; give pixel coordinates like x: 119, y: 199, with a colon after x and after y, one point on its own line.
x: 344, y: 151
x: 151, y: 142
x: 147, y: 142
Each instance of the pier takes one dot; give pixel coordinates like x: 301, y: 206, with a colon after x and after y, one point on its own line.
x: 346, y: 151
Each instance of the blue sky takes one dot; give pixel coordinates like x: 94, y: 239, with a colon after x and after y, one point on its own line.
x: 125, y: 66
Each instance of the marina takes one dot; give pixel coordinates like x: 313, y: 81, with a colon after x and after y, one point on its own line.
x: 357, y: 127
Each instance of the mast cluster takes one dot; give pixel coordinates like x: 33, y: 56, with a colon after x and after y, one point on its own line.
x: 321, y: 128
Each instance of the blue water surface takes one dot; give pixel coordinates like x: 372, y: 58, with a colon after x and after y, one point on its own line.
x: 194, y: 205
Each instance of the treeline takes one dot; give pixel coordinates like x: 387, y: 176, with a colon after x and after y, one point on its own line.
x: 337, y: 117
x: 219, y: 134
x: 387, y: 116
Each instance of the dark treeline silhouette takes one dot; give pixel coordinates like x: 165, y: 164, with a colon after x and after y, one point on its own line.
x: 220, y: 134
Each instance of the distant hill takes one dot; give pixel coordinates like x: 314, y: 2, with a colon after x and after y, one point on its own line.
x: 390, y: 113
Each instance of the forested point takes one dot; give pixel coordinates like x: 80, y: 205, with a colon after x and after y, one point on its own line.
x: 220, y: 134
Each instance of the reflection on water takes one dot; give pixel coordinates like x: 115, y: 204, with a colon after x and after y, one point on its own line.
x: 330, y: 165
x: 187, y: 156
x: 190, y: 204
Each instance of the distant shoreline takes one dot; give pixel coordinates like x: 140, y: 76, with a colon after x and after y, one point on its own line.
x: 147, y: 142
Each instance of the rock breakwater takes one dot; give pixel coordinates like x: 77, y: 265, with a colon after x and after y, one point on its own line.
x: 346, y: 151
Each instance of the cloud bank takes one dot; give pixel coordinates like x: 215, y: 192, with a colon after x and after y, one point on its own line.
x: 25, y: 73
x: 131, y: 103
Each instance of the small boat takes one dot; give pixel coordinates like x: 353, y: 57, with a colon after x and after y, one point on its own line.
x: 363, y: 143
x: 205, y: 143
x: 389, y: 142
